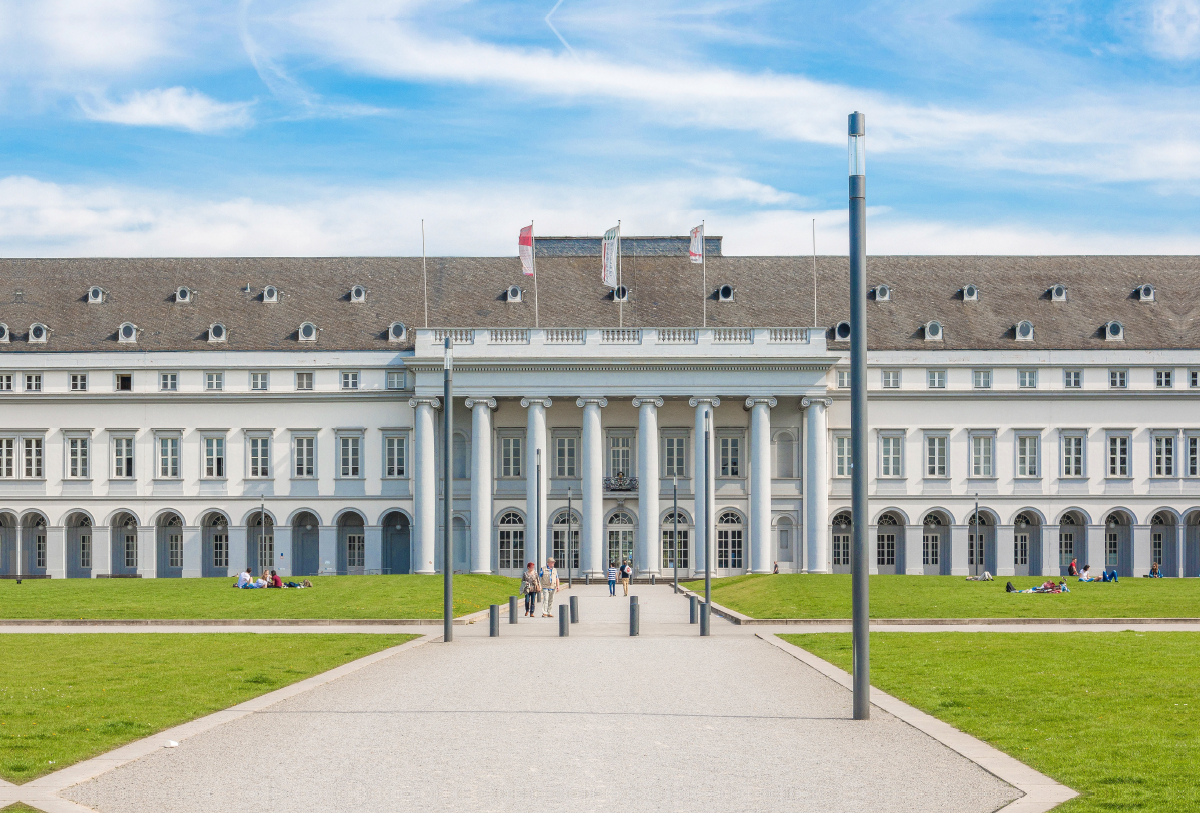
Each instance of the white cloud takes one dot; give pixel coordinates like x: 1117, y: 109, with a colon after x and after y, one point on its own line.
x: 44, y: 39
x: 175, y: 107
x: 1175, y: 29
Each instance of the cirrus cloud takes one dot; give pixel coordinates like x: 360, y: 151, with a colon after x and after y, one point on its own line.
x: 175, y: 107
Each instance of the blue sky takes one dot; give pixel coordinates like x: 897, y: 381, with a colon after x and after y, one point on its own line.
x: 267, y: 127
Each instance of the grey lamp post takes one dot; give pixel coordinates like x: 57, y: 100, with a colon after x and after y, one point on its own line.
x: 706, y: 611
x: 675, y: 532
x: 858, y: 414
x: 448, y: 494
x: 537, y: 529
x: 570, y: 548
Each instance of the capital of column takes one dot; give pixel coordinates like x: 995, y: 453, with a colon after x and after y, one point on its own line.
x: 695, y: 402
x: 599, y: 400
x: 545, y: 402
x: 652, y: 399
x: 433, y: 402
x: 805, y: 403
x: 769, y: 401
x: 471, y: 402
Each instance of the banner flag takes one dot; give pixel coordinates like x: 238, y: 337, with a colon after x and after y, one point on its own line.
x: 696, y: 249
x: 525, y: 249
x: 611, y: 249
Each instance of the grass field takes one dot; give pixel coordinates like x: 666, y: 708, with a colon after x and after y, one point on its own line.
x: 330, y: 597
x: 828, y: 596
x: 1111, y: 714
x: 65, y: 698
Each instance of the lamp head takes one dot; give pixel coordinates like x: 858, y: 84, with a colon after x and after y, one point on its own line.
x: 858, y: 144
x: 449, y: 353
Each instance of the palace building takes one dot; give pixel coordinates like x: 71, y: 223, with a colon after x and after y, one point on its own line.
x: 192, y: 417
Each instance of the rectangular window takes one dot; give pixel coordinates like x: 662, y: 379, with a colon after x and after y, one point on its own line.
x: 260, y: 382
x: 77, y: 450
x: 6, y: 382
x: 889, y: 456
x: 33, y: 382
x: 356, y: 550
x: 1118, y: 456
x: 731, y: 457
x: 1073, y: 379
x: 981, y: 379
x: 175, y: 550
x: 1111, y: 549
x: 935, y: 455
x: 1164, y: 456
x: 168, y: 458
x: 885, y: 550
x: 220, y: 550
x: 936, y: 379
x: 512, y: 548
x: 123, y: 457
x: 395, y: 380
x: 1027, y: 455
x: 130, y: 549
x: 841, y: 549
x: 85, y: 550
x: 260, y: 457
x: 1193, y: 456
x: 1194, y: 378
x: 78, y: 382
x: 124, y: 382
x: 1116, y: 379
x: 674, y: 457
x: 304, y: 381
x: 891, y: 379
x: 565, y: 457
x: 1072, y: 455
x: 669, y: 549
x: 214, y: 381
x: 1066, y: 548
x: 266, y: 551
x: 930, y: 549
x: 729, y: 548
x: 349, y: 380
x: 394, y: 456
x: 7, y: 458
x: 981, y: 455
x: 305, y: 456
x: 511, y: 461
x: 348, y: 455
x: 1163, y: 379
x: 214, y: 457
x: 1027, y: 379
x: 620, y: 455
x: 168, y: 382
x: 843, y: 455
x: 1021, y: 549
x: 1156, y: 548
x: 39, y: 545
x: 843, y: 379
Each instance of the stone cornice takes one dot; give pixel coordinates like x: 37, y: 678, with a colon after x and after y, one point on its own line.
x: 644, y: 399
x: 811, y: 365
x: 472, y: 402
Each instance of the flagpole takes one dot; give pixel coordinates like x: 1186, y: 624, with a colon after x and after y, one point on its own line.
x: 424, y: 276
x: 620, y: 302
x: 703, y: 277
x: 814, y: 229
x: 533, y: 259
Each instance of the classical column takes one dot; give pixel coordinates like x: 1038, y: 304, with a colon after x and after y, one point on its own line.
x: 649, y: 554
x: 56, y: 551
x: 373, y: 549
x: 147, y: 536
x: 760, y: 483
x: 102, y: 556
x: 425, y: 480
x: 481, y: 483
x: 702, y: 509
x: 816, y: 484
x: 535, y: 440
x: 327, y: 547
x: 283, y: 549
x: 591, y: 541
x: 1005, y: 551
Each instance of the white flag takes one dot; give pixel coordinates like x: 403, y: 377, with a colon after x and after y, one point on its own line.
x: 525, y: 249
x: 696, y: 249
x: 610, y: 250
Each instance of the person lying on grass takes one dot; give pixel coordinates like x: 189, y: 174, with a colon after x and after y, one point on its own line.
x: 1046, y: 587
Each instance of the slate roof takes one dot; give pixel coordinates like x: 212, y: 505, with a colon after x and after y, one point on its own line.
x: 665, y: 291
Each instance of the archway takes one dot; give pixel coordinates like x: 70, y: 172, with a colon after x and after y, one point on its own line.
x: 8, y: 544
x: 215, y: 545
x: 260, y: 542
x: 786, y: 549
x: 79, y: 546
x: 935, y: 543
x: 352, y: 544
x: 841, y: 538
x: 676, y: 552
x: 563, y: 542
x: 731, y: 533
x: 169, y: 540
x: 34, y: 551
x: 1027, y: 544
x: 397, y: 542
x: 1163, y: 545
x: 124, y: 544
x: 622, y: 531
x: 981, y: 542
x: 1118, y: 543
x: 306, y: 544
x: 1072, y: 529
x: 510, y: 535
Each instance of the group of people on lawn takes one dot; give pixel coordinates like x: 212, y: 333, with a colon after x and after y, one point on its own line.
x: 269, y: 578
x: 542, y: 583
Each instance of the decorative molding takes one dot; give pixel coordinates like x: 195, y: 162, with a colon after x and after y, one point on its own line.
x: 694, y: 402
x: 643, y: 399
x: 600, y: 400
x: 769, y: 401
x: 615, y: 366
x: 433, y: 402
x: 471, y: 402
x: 806, y: 402
x: 545, y: 402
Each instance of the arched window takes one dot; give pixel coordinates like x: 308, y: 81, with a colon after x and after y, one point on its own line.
x: 620, y: 518
x: 730, y: 518
x: 561, y: 538
x: 675, y: 554
x: 1162, y: 518
x: 783, y: 532
x: 785, y: 455
x: 216, y: 520
x: 173, y: 522
x: 1023, y: 521
x: 512, y: 540
x: 842, y: 520
x: 729, y: 541
x: 932, y: 520
x: 888, y: 519
x: 460, y: 456
x: 1067, y: 519
x: 621, y: 534
x: 841, y: 539
x: 980, y: 519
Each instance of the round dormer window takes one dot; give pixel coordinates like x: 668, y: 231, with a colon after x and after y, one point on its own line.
x: 1025, y: 330
x: 725, y: 292
x: 128, y: 332
x: 358, y: 293
x: 308, y: 332
x: 96, y: 293
x: 217, y: 332
x: 38, y: 333
x: 3, y: 333
x: 514, y: 293
x: 183, y: 294
x: 842, y: 331
x: 934, y: 330
x: 1059, y: 292
x: 970, y: 292
x: 621, y: 293
x: 397, y: 331
x: 1114, y: 330
x: 270, y: 294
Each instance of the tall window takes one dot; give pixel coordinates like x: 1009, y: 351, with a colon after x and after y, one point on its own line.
x: 1194, y: 456
x: 936, y: 379
x: 260, y: 382
x: 935, y: 455
x: 461, y: 451
x: 889, y: 456
x: 7, y: 457
x: 130, y: 547
x: 891, y: 379
x: 350, y: 380
x: 1156, y: 548
x: 39, y: 542
x: 348, y: 455
x: 981, y: 379
x: 123, y: 457
x: 511, y: 457
x: 394, y: 456
x: 1027, y: 455
x: 674, y: 457
x: 85, y: 550
x: 356, y: 550
x: 731, y: 457
x: 79, y: 382
x: 729, y: 541
x: 260, y: 457
x: 168, y: 382
x: 620, y: 455
x: 785, y: 455
x: 842, y: 442
x: 1111, y: 549
x: 214, y: 381
x: 1117, y: 379
x: 981, y: 455
x: 675, y: 554
x: 304, y: 381
x: 174, y: 544
x: 33, y: 458
x: 560, y: 541
x: 77, y: 449
x: 1164, y: 456
x: 220, y: 543
x: 1027, y: 379
x: 1072, y: 455
x: 305, y: 456
x: 512, y: 541
x: 1066, y: 547
x: 841, y: 549
x: 930, y: 549
x: 566, y: 457
x: 168, y: 458
x: 1118, y: 456
x: 214, y: 457
x: 1073, y: 379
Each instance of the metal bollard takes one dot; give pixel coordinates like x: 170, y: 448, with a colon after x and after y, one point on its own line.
x: 574, y: 609
x: 635, y: 614
x: 633, y: 600
x: 564, y: 625
x: 704, y: 618
x: 695, y: 609
x: 587, y: 579
x: 512, y: 609
x: 651, y: 579
x: 494, y: 619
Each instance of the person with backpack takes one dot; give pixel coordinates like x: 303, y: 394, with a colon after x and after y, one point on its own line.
x: 626, y: 574
x: 548, y: 579
x: 1073, y: 568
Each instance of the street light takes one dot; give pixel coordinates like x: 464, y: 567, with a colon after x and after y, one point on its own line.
x: 860, y: 586
x: 675, y: 532
x: 706, y: 610
x: 448, y: 494
x: 537, y: 529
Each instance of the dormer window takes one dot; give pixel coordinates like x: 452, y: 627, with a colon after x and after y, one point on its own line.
x: 397, y: 331
x: 307, y: 332
x: 841, y: 333
x: 1114, y: 332
x: 217, y: 332
x: 183, y: 294
x: 38, y: 333
x: 1145, y: 293
x: 513, y: 294
x: 970, y: 293
x: 933, y: 331
x: 883, y: 293
x: 95, y: 295
x: 1058, y: 293
x: 1024, y: 331
x: 4, y: 334
x: 127, y: 333
x: 725, y: 293
x: 358, y: 294
x: 270, y: 294
x: 621, y: 294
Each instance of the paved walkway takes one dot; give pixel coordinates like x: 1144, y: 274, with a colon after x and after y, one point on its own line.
x: 597, y: 721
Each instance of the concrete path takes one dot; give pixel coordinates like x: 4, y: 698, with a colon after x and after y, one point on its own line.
x: 597, y: 721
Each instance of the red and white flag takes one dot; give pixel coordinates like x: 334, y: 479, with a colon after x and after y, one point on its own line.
x: 696, y: 249
x: 525, y: 249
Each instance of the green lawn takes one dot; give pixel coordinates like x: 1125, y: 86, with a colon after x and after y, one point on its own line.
x: 64, y: 698
x: 330, y: 597
x: 828, y: 596
x: 1111, y: 714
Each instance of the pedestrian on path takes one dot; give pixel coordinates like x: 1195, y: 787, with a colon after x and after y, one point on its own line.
x: 549, y: 582
x: 612, y: 579
x: 530, y: 587
x: 626, y: 573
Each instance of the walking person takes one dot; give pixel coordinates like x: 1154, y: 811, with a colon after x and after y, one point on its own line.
x: 612, y: 579
x: 549, y: 581
x: 626, y: 573
x: 530, y: 587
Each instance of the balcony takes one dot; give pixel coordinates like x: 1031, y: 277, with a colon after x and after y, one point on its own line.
x: 620, y: 483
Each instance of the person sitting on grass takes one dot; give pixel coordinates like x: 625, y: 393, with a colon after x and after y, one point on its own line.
x: 274, y: 580
x: 1155, y: 571
x: 245, y: 579
x: 1073, y: 568
x: 1085, y: 575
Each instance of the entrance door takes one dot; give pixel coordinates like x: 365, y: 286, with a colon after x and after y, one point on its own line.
x: 396, y: 551
x: 1021, y: 554
x: 931, y: 550
x: 307, y: 554
x: 1066, y: 550
x: 356, y: 553
x: 975, y: 552
x: 885, y: 553
x: 841, y: 553
x: 620, y: 545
